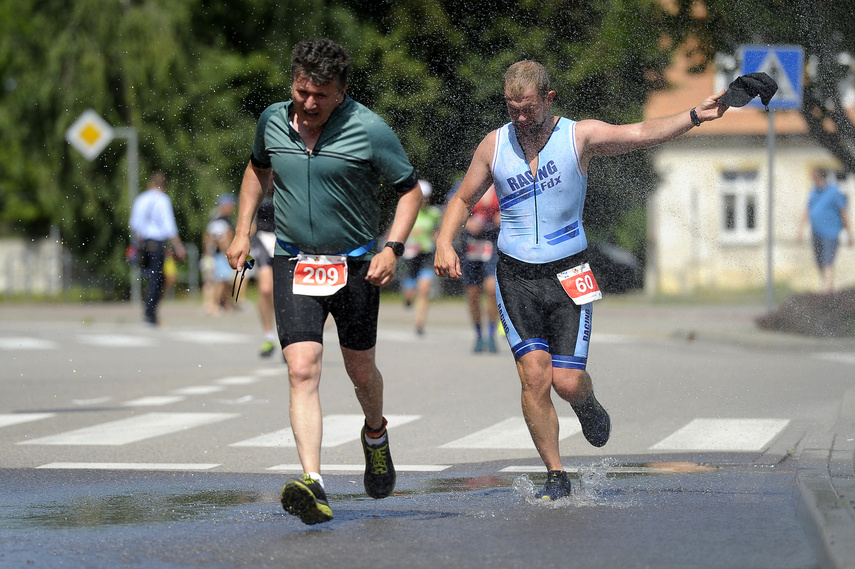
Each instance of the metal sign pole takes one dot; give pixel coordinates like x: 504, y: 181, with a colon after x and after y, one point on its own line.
x: 785, y: 64
x: 129, y: 133
x: 770, y: 276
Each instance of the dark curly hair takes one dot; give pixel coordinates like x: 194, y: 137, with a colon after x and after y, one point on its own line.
x: 322, y: 61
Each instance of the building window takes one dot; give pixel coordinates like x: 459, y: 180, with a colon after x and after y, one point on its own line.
x: 739, y: 199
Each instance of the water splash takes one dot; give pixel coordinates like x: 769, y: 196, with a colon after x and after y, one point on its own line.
x: 591, y: 488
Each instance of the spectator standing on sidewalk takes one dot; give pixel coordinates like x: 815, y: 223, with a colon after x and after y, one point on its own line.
x: 827, y: 211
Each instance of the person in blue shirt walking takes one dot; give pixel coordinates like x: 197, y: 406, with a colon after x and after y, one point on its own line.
x: 826, y: 210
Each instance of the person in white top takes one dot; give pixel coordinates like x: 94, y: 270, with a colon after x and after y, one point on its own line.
x: 153, y: 225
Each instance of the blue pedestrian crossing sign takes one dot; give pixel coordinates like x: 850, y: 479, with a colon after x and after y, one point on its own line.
x: 784, y: 64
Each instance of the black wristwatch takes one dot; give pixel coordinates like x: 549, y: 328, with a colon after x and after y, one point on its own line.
x: 693, y: 114
x: 397, y: 247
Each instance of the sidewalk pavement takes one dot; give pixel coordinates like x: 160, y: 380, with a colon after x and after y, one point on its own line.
x: 825, y: 486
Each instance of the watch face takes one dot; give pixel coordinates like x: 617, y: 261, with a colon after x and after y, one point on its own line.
x: 397, y: 248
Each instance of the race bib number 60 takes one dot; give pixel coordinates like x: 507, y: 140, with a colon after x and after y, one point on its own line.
x: 320, y: 275
x: 580, y: 284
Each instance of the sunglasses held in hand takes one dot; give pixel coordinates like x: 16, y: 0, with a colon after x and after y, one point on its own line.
x: 248, y: 264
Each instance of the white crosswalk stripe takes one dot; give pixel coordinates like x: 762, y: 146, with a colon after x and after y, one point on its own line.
x: 845, y: 357
x: 135, y: 429
x: 125, y: 466
x: 154, y: 401
x: 721, y: 435
x: 9, y: 419
x: 338, y: 430
x: 116, y: 341
x: 198, y: 390
x: 361, y: 467
x: 210, y: 337
x: 237, y: 380
x: 699, y: 435
x: 26, y: 343
x: 511, y: 434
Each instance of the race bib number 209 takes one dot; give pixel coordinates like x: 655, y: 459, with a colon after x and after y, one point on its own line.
x: 320, y: 275
x: 580, y: 284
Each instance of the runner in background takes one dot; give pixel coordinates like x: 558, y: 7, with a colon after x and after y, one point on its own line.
x: 263, y: 243
x: 418, y: 258
x: 480, y: 256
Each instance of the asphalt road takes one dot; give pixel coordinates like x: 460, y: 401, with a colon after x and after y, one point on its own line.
x: 124, y: 445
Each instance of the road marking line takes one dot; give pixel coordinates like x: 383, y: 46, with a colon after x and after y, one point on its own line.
x: 154, y: 401
x: 511, y: 434
x: 93, y: 401
x: 844, y: 357
x: 237, y: 380
x: 243, y: 401
x: 7, y: 420
x: 198, y: 390
x: 361, y: 467
x: 604, y: 338
x: 135, y: 429
x: 116, y: 341
x: 338, y: 430
x: 125, y: 466
x: 25, y: 343
x: 612, y: 469
x: 724, y: 435
x: 210, y: 337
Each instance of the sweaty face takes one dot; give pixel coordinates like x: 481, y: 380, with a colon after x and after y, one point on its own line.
x: 528, y: 112
x: 313, y: 104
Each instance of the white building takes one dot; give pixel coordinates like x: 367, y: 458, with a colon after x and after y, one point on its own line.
x: 708, y: 219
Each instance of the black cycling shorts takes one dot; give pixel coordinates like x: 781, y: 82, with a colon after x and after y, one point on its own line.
x: 301, y: 318
x: 538, y: 314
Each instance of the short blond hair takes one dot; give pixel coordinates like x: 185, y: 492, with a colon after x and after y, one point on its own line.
x: 524, y: 74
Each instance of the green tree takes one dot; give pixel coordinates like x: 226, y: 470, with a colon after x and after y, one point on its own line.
x: 192, y: 76
x: 440, y: 68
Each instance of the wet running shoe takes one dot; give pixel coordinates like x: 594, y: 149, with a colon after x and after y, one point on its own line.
x: 595, y: 421
x: 306, y: 499
x: 557, y: 486
x: 267, y: 349
x: 380, y: 476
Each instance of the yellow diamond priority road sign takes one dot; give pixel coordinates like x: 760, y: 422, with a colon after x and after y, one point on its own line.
x: 90, y: 134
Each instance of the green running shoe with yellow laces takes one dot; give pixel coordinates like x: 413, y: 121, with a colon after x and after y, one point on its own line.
x: 305, y: 498
x: 380, y: 476
x: 267, y: 349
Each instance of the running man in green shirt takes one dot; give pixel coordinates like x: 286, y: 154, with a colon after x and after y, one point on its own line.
x: 326, y: 156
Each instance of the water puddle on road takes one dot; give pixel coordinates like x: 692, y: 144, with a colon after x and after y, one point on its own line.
x: 131, y: 509
x: 605, y: 484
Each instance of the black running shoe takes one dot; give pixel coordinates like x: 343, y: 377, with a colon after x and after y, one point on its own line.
x: 595, y: 421
x: 379, y: 471
x: 306, y: 499
x: 557, y: 486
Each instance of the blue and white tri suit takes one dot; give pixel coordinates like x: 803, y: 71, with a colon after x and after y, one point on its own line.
x: 541, y: 235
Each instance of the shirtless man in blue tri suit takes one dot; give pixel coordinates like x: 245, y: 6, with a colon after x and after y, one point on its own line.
x: 539, y: 163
